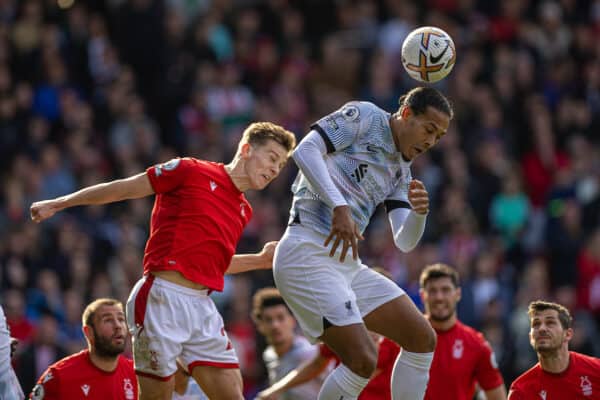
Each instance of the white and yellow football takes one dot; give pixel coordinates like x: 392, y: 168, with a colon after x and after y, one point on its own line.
x: 428, y: 54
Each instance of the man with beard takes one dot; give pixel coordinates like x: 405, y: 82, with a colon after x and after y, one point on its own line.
x: 462, y: 358
x: 560, y: 373
x: 100, y: 372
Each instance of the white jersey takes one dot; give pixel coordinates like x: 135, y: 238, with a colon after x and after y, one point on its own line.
x: 278, y: 367
x: 363, y: 163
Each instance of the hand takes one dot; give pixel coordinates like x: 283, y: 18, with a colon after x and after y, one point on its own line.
x: 418, y: 197
x: 41, y: 210
x: 343, y: 229
x: 13, y: 345
x: 267, y: 254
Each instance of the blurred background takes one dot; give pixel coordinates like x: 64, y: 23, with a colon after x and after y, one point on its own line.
x: 97, y: 90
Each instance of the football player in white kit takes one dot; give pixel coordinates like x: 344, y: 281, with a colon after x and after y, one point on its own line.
x: 351, y: 161
x: 10, y: 388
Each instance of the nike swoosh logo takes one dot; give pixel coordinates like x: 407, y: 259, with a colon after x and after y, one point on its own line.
x: 371, y: 149
x: 433, y: 59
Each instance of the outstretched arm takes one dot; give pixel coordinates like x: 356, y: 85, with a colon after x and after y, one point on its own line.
x: 122, y: 189
x: 248, y: 262
x: 304, y: 373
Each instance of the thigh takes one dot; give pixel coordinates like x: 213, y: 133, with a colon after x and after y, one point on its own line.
x: 209, y: 345
x: 155, y: 389
x: 373, y: 290
x: 156, y: 331
x: 315, y: 286
x: 401, y: 321
x: 219, y: 383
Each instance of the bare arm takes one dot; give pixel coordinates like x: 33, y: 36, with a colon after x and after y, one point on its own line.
x: 122, y: 189
x: 498, y: 393
x: 304, y: 373
x: 248, y: 262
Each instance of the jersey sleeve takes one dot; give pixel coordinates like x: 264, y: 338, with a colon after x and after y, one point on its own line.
x: 47, y: 387
x: 399, y: 197
x: 168, y: 176
x: 487, y: 373
x: 340, y: 128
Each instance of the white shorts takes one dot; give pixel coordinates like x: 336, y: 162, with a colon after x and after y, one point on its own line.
x: 169, y: 321
x: 320, y: 289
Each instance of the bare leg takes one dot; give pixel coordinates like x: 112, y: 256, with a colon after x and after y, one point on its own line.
x: 219, y: 383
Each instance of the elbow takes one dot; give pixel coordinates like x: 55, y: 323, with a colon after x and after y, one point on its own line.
x: 405, y: 246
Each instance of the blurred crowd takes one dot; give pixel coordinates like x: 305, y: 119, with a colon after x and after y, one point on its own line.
x: 97, y: 90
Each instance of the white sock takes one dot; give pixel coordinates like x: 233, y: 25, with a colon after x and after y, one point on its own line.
x: 342, y: 384
x: 410, y: 375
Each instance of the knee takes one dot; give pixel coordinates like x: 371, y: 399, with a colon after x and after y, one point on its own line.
x: 430, y: 341
x: 362, y: 361
x: 427, y: 340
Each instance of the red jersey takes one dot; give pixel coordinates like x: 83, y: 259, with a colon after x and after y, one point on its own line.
x: 76, y: 378
x: 462, y: 358
x: 197, y: 220
x: 580, y: 381
x: 378, y: 387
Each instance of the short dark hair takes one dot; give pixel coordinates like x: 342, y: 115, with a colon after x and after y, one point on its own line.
x: 419, y: 98
x: 436, y: 271
x: 564, y: 316
x: 265, y: 298
x: 90, y: 311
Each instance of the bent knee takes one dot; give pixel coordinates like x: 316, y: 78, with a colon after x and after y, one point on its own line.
x: 430, y: 340
x: 422, y: 341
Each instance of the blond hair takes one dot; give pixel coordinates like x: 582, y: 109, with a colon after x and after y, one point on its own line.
x: 257, y: 133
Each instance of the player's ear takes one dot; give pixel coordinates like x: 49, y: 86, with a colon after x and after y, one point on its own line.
x: 422, y: 295
x: 569, y: 334
x: 87, y: 331
x: 245, y: 150
x: 405, y: 112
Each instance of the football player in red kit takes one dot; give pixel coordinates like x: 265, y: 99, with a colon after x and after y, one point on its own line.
x: 462, y: 356
x: 560, y: 373
x: 100, y: 372
x: 198, y: 217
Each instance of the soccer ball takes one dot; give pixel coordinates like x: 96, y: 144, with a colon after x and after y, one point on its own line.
x: 428, y: 54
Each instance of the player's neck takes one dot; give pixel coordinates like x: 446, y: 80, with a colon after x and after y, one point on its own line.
x: 395, y: 123
x: 442, y: 326
x: 235, y: 170
x: 107, y: 364
x: 556, y: 362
